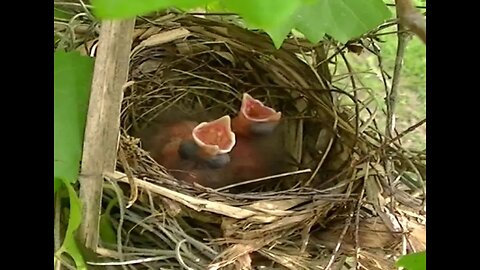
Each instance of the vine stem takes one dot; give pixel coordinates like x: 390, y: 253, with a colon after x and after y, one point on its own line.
x: 391, y: 99
x: 56, y: 229
x: 391, y: 96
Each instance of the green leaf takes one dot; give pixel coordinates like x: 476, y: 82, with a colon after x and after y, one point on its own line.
x: 265, y: 14
x: 308, y: 21
x: 215, y: 6
x: 72, y: 81
x: 69, y: 245
x: 341, y: 19
x: 119, y: 9
x: 413, y: 261
x: 272, y: 16
x: 107, y: 233
x: 56, y: 184
x: 279, y: 32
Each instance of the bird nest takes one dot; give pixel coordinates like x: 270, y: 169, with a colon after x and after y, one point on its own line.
x: 330, y: 203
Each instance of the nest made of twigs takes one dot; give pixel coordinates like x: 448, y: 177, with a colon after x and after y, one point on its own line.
x: 331, y: 192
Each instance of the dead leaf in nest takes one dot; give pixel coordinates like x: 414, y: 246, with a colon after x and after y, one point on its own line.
x: 276, y: 207
x: 172, y: 208
x: 150, y: 32
x: 227, y: 56
x: 283, y: 222
x: 129, y: 146
x: 374, y: 169
x: 291, y: 261
x: 229, y: 226
x: 293, y: 141
x: 372, y: 233
x: 374, y: 261
x: 244, y: 262
x: 323, y: 139
x: 373, y: 190
x: 165, y: 37
x: 149, y: 66
x: 342, y: 154
x: 184, y: 48
x: 133, y: 187
x: 138, y: 32
x: 162, y: 38
x: 238, y: 254
x: 220, y: 30
x: 418, y: 236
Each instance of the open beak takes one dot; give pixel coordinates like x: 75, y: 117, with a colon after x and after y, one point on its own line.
x: 255, y: 118
x: 215, y: 137
x: 254, y: 110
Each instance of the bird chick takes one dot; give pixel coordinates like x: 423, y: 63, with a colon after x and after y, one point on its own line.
x: 222, y: 152
x: 258, y: 147
x: 255, y: 119
x: 184, y: 146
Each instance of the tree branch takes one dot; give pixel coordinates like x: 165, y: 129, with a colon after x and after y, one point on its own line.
x: 102, y: 126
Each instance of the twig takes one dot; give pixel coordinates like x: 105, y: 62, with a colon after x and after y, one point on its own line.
x: 212, y: 14
x: 56, y: 228
x: 393, y: 93
x: 357, y: 222
x: 179, y: 256
x: 381, y: 148
x: 263, y: 179
x: 348, y: 222
x: 194, y: 203
x: 355, y: 94
x: 135, y: 261
x: 62, y: 262
x: 72, y: 4
x: 118, y: 193
x: 391, y: 98
x: 129, y: 173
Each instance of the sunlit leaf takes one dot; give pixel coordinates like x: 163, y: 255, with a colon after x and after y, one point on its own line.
x: 264, y: 14
x: 107, y: 232
x: 113, y: 9
x: 342, y: 19
x: 69, y: 244
x: 72, y: 81
x: 413, y: 261
x: 308, y: 21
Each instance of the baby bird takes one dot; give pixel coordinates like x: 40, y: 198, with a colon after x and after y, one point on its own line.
x: 256, y: 152
x: 258, y: 149
x: 188, y: 149
x: 224, y: 151
x: 255, y: 119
